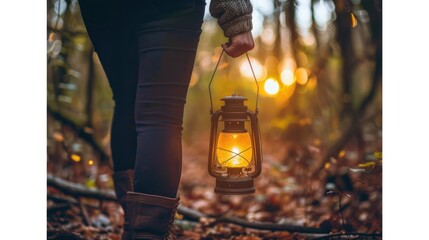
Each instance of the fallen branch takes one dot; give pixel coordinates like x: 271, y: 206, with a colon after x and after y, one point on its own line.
x: 191, y: 214
x: 197, y: 216
x: 58, y: 207
x: 69, y: 200
x: 331, y: 236
x: 79, y: 190
x: 62, y: 235
x: 81, y: 133
x: 84, y: 211
x: 270, y: 226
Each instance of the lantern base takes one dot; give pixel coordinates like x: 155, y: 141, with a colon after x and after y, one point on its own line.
x: 234, y: 186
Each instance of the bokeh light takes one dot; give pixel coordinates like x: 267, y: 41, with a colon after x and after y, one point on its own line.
x: 205, y: 60
x: 301, y: 76
x: 312, y: 83
x: 268, y: 36
x: 287, y: 77
x: 323, y: 12
x: 309, y: 39
x: 353, y: 20
x: 194, y: 79
x: 246, y: 71
x: 75, y: 157
x: 271, y: 86
x: 288, y: 63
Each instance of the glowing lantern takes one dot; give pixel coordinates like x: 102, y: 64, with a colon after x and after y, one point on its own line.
x: 235, y: 152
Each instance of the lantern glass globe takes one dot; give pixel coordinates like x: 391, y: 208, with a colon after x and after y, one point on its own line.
x: 234, y: 150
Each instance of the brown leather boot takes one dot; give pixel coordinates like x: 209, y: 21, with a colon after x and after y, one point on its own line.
x: 124, y: 183
x: 151, y: 216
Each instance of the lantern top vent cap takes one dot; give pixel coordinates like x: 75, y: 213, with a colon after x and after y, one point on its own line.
x: 234, y: 96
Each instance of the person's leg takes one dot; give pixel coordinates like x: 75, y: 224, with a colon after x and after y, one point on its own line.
x: 115, y: 42
x: 167, y: 49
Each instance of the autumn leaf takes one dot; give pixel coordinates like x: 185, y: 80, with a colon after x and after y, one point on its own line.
x: 178, y: 216
x: 378, y: 155
x: 75, y: 157
x: 367, y: 164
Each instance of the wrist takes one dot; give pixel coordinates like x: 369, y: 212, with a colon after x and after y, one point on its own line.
x: 237, y: 26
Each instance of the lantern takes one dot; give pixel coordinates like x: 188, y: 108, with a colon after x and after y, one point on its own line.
x: 235, y: 157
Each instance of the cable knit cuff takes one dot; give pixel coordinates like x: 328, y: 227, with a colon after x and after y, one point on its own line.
x: 239, y: 25
x: 234, y: 16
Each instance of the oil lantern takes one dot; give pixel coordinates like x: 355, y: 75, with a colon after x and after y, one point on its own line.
x: 235, y: 154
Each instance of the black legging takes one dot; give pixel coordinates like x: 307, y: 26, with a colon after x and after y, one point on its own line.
x: 147, y: 49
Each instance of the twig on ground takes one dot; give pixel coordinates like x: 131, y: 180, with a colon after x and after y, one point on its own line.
x: 80, y: 131
x: 76, y: 189
x: 194, y: 215
x: 84, y: 211
x: 69, y: 200
x: 270, y: 226
x: 333, y: 235
x: 58, y: 207
x: 79, y: 190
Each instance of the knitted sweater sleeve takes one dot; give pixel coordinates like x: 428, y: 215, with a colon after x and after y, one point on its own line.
x: 234, y: 16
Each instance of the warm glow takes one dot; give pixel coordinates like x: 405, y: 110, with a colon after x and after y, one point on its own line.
x: 317, y: 142
x: 354, y: 20
x: 58, y: 136
x: 271, y: 86
x: 288, y: 63
x: 52, y: 37
x: 194, y: 79
x: 75, y: 157
x: 301, y: 76
x: 204, y: 59
x: 234, y: 150
x: 309, y: 40
x: 287, y: 77
x: 247, y: 71
x: 284, y: 94
x: 91, y: 162
x: 312, y: 83
x: 302, y: 58
x: 268, y: 36
x: 327, y: 165
x: 342, y: 154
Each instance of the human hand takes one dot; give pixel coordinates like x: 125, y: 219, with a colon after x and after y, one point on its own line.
x: 239, y: 44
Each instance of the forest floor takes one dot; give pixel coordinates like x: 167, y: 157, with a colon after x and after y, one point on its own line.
x: 294, y: 189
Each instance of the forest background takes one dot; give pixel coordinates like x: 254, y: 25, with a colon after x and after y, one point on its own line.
x: 409, y: 113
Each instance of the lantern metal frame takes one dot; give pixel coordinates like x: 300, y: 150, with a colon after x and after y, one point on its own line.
x: 235, y: 181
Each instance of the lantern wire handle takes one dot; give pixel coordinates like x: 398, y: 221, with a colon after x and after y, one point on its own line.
x: 211, y: 79
x: 256, y: 82
x: 214, y: 72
